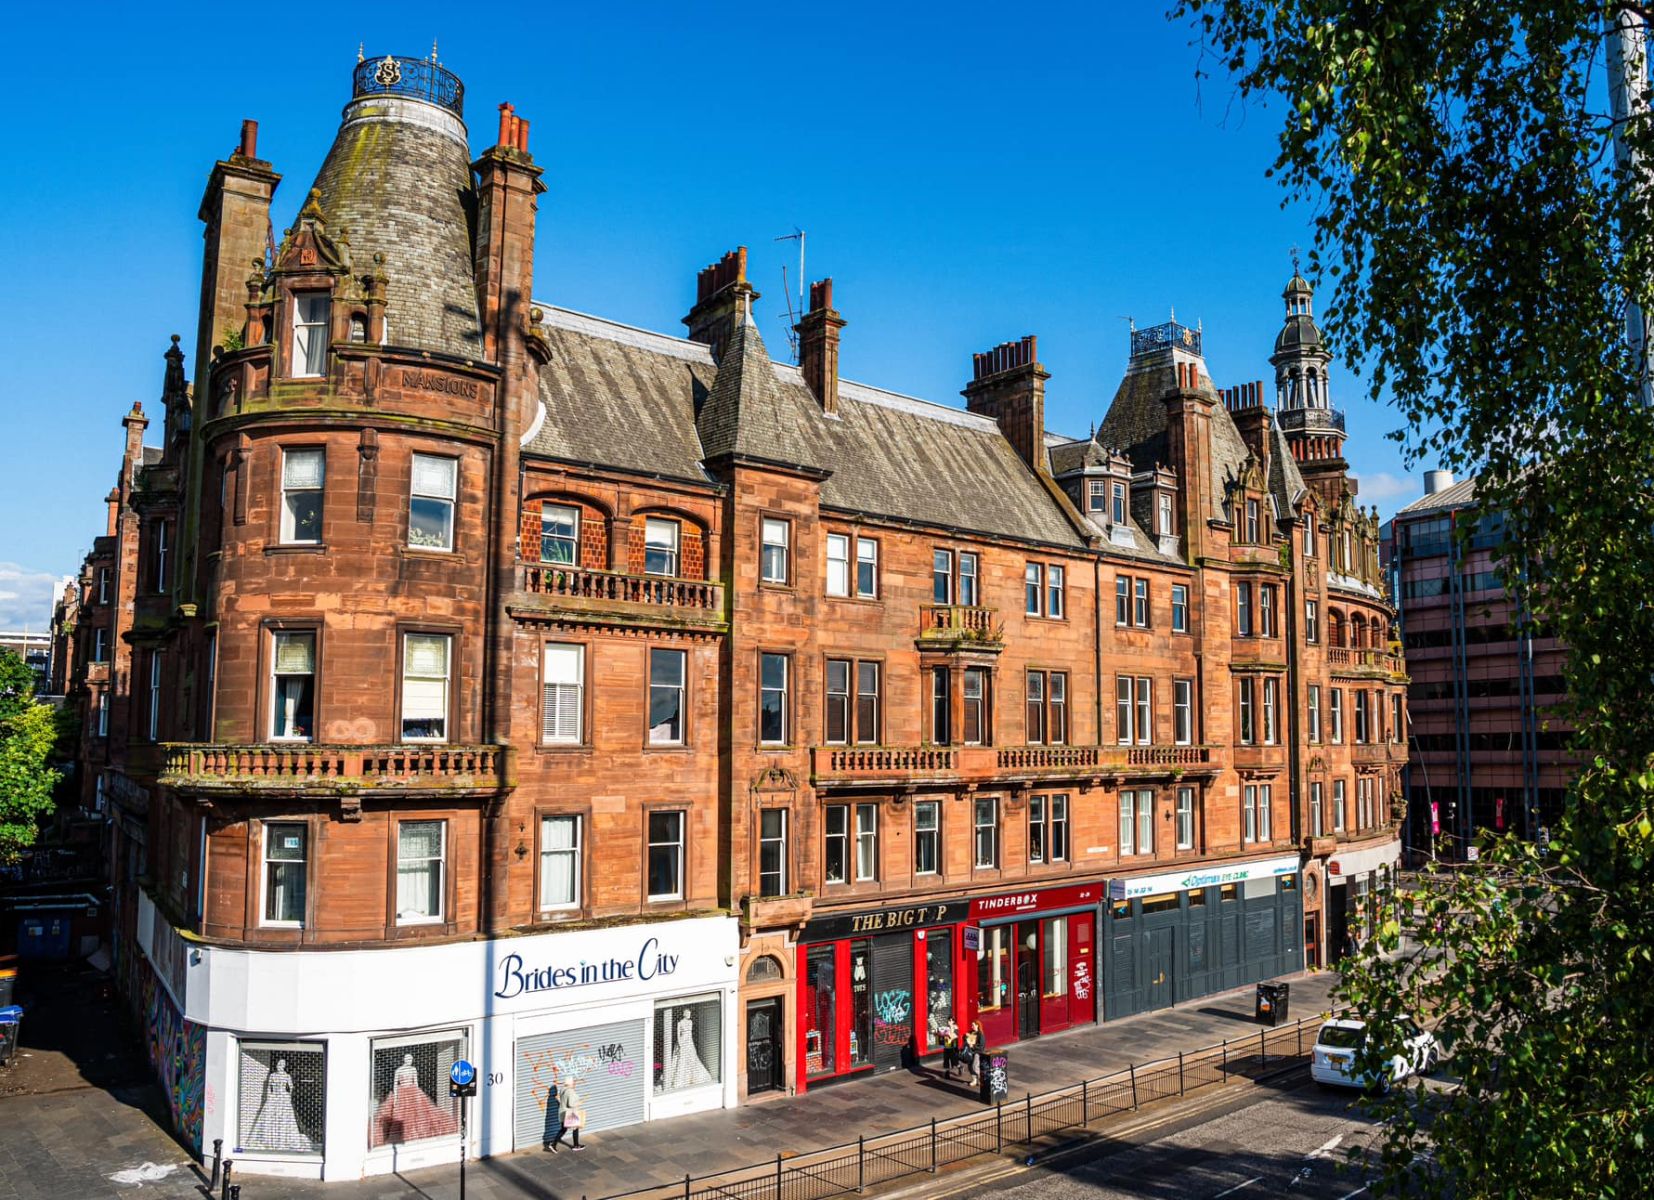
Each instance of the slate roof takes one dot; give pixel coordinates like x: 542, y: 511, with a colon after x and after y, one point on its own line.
x: 396, y: 182
x: 1136, y: 422
x: 643, y: 401
x: 1286, y: 482
x: 1073, y: 456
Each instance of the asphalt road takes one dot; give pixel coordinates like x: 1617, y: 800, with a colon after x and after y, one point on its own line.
x: 1289, y: 1140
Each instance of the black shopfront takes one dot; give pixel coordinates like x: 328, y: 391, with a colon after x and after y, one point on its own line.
x: 1172, y: 937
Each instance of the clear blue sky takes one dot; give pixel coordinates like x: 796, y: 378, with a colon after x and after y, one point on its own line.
x: 966, y: 173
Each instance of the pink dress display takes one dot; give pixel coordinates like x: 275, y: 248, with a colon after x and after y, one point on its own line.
x: 407, y: 1114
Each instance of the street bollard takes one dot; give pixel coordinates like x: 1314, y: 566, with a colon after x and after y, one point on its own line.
x: 235, y: 1192
x: 217, y: 1163
x: 229, y: 1165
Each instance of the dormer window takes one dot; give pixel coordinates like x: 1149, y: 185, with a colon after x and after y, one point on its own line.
x: 1166, y: 529
x: 310, y: 337
x: 1252, y: 529
x: 1096, y: 495
x: 1118, y: 513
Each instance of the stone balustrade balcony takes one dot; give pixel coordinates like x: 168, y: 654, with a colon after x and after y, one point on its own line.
x: 615, y: 598
x: 960, y: 625
x: 988, y: 766
x: 1368, y: 659
x: 308, y: 767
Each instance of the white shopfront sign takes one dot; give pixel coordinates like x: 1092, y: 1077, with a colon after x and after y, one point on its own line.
x: 362, y: 1014
x: 1199, y: 877
x: 1347, y: 864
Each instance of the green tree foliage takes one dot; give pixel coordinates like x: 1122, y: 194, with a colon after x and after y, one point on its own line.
x: 28, y: 735
x: 1484, y: 242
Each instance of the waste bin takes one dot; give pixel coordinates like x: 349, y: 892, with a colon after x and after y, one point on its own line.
x: 994, y: 1078
x: 1272, y: 1003
x: 11, y: 1020
x: 8, y: 978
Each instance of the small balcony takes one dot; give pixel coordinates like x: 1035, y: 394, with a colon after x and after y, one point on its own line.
x: 952, y: 766
x: 423, y: 770
x: 1368, y: 660
x: 1378, y: 752
x: 959, y: 626
x: 1292, y: 420
x: 560, y: 591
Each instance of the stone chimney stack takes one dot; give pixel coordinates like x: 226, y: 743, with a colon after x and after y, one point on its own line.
x: 818, y: 337
x: 723, y: 297
x: 1189, y: 445
x: 1008, y: 384
x: 508, y: 184
x: 236, y: 212
x: 1246, y: 407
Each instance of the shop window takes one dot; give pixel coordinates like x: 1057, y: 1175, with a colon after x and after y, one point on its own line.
x: 1180, y: 608
x: 563, y: 703
x: 666, y: 683
x: 303, y: 474
x: 559, y: 534
x: 1258, y: 889
x: 861, y: 1002
x: 927, y: 837
x: 281, y: 1092
x: 666, y: 855
x: 986, y: 829
x: 284, y: 873
x: 560, y: 861
x: 431, y: 502
x: 1164, y: 902
x: 409, y: 1098
x: 420, y: 861
x: 993, y: 968
x: 772, y: 852
x: 836, y: 848
x: 1197, y: 898
x: 293, y: 686
x: 661, y: 538
x: 688, y: 1044
x: 938, y: 982
x: 1054, y: 952
x: 425, y: 687
x: 820, y: 1010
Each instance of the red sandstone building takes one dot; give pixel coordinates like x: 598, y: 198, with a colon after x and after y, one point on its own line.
x: 484, y: 679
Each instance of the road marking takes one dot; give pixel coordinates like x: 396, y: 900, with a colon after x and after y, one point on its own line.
x: 1238, y: 1187
x: 1325, y: 1149
x: 1352, y: 1195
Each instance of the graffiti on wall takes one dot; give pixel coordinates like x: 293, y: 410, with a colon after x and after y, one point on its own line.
x: 178, y: 1051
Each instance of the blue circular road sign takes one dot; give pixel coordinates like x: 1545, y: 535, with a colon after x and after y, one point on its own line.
x: 462, y: 1073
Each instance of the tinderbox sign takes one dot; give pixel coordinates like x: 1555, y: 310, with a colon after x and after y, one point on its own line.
x: 516, y: 978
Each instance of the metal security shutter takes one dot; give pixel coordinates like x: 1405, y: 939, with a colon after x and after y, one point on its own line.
x: 607, y: 1064
x: 892, y: 999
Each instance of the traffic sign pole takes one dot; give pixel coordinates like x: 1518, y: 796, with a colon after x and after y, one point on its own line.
x: 462, y: 1085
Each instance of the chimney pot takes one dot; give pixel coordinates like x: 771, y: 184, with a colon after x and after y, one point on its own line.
x: 249, y: 139
x: 522, y: 134
x: 505, y: 125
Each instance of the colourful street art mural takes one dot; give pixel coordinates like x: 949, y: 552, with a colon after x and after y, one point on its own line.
x: 178, y: 1052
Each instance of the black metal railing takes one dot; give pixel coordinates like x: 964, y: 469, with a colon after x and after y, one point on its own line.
x: 395, y: 75
x: 1310, y: 418
x: 1159, y: 337
x: 850, y: 1168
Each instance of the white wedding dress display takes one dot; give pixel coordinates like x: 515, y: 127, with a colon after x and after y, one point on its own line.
x: 276, y: 1125
x: 684, y: 1067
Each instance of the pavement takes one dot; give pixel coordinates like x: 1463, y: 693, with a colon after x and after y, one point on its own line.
x: 78, y: 1122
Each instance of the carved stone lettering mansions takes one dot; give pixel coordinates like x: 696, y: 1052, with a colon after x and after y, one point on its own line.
x: 432, y: 381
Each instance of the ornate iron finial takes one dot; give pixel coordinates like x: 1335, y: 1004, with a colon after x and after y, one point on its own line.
x: 433, y: 50
x: 360, y: 46
x: 1173, y: 309
x: 1294, y: 253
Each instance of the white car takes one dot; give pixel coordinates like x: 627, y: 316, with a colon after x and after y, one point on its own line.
x: 1340, y: 1041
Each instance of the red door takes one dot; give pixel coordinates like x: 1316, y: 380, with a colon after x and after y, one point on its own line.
x: 1083, y: 968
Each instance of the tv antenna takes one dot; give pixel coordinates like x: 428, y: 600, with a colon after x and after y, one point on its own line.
x: 797, y: 235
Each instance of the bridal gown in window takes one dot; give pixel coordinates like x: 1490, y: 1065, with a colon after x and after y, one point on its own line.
x: 276, y: 1125
x: 684, y: 1067
x: 407, y: 1114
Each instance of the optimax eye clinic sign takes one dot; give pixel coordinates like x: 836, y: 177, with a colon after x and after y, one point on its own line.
x: 1183, y: 881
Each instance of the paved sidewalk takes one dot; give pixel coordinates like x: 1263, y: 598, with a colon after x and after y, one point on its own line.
x: 69, y: 1144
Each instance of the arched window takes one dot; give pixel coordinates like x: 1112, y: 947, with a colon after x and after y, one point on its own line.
x: 765, y: 969
x: 1335, y: 628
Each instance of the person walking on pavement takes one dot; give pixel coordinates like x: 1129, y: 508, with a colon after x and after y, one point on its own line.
x: 571, y: 1116
x: 973, y: 1051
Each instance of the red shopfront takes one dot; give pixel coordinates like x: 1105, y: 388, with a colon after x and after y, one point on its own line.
x: 1035, y: 961
x: 875, y: 986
